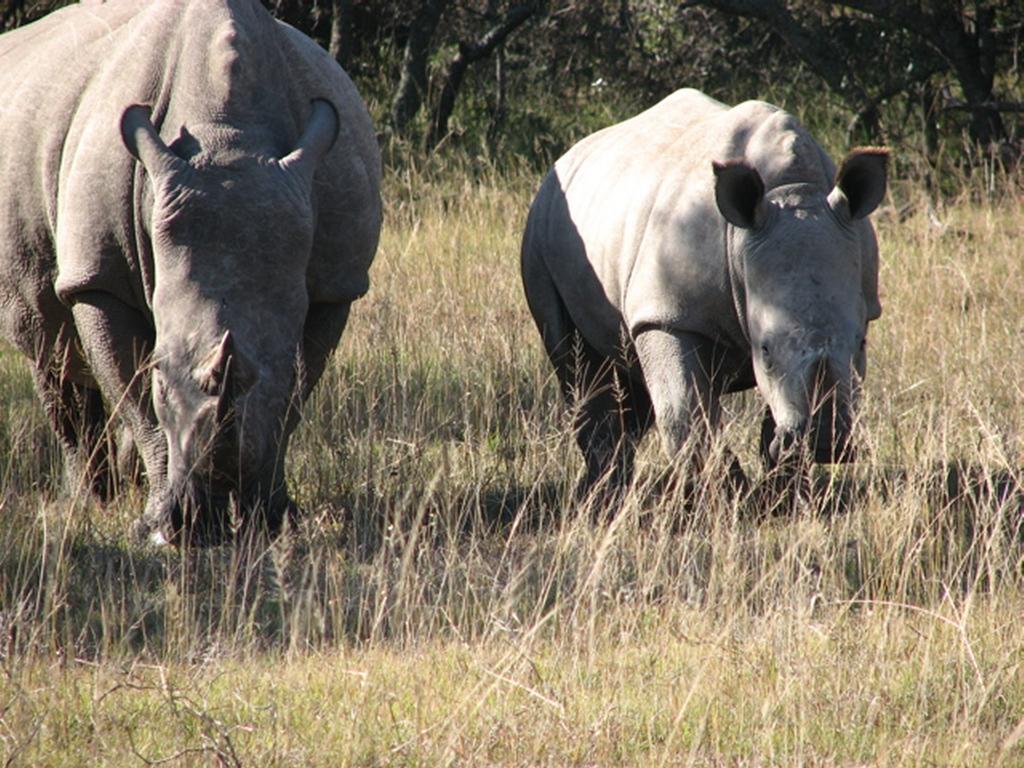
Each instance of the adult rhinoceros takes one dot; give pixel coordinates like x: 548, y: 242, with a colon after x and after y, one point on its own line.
x: 695, y: 250
x: 189, y: 205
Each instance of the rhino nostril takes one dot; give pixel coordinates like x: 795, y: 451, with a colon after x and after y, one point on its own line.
x: 790, y: 437
x: 786, y: 440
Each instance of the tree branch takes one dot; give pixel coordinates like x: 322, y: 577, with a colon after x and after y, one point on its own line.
x: 809, y: 39
x: 470, y: 52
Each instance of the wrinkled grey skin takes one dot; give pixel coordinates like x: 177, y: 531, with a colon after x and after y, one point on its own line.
x: 696, y: 250
x: 190, y: 204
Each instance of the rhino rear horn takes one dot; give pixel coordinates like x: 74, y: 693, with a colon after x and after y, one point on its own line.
x: 739, y: 193
x: 860, y: 182
x: 318, y: 138
x: 141, y: 139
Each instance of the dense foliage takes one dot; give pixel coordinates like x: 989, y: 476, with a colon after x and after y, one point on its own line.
x: 939, y: 80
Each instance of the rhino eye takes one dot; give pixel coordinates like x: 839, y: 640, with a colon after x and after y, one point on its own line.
x: 766, y: 356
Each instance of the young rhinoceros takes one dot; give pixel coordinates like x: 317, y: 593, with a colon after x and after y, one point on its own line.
x: 190, y: 204
x: 696, y: 250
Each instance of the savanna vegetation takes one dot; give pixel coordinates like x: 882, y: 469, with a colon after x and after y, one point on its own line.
x: 443, y: 601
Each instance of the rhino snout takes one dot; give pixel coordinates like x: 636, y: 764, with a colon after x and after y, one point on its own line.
x: 813, y: 411
x: 827, y: 439
x: 197, y: 514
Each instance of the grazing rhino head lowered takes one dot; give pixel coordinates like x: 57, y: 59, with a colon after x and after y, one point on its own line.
x: 696, y: 250
x: 192, y: 204
x: 231, y: 244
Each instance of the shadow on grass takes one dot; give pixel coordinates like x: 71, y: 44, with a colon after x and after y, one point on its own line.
x: 836, y: 491
x: 363, y: 522
x: 359, y: 576
x: 960, y: 489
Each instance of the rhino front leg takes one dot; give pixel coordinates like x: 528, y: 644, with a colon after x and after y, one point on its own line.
x: 79, y: 419
x: 321, y: 333
x: 678, y: 368
x: 117, y: 342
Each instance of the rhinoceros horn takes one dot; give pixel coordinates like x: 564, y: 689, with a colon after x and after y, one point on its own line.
x: 319, y: 136
x: 217, y: 377
x: 213, y: 377
x: 144, y: 143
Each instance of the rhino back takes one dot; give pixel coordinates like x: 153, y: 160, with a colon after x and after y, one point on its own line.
x: 73, y: 220
x: 640, y: 198
x: 46, y: 65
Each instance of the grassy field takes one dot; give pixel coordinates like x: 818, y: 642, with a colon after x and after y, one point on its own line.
x: 444, y: 604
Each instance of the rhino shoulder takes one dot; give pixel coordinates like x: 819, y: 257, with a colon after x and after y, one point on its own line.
x: 687, y: 102
x: 775, y: 143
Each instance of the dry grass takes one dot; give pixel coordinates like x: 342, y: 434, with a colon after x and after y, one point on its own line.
x: 444, y: 604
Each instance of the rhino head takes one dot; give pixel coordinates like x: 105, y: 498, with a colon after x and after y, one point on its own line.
x: 804, y: 267
x: 231, y: 237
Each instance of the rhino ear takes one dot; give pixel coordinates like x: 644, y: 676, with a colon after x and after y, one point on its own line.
x: 739, y: 193
x: 144, y: 143
x: 318, y: 138
x: 860, y: 182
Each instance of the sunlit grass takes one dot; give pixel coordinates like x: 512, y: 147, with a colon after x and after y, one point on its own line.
x: 444, y: 603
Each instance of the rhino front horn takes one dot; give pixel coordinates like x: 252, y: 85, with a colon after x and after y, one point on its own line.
x: 214, y: 377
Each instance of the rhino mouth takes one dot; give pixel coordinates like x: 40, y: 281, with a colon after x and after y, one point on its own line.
x: 208, y: 518
x: 822, y: 439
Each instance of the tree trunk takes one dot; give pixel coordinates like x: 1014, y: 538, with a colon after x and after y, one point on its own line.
x: 972, y: 62
x: 809, y: 39
x: 498, y: 115
x: 971, y: 56
x: 941, y: 25
x: 341, y: 32
x: 412, y: 86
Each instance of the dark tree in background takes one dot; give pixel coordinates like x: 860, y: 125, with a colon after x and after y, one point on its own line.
x: 469, y: 53
x: 937, y: 79
x: 15, y: 13
x: 412, y: 85
x: 970, y: 41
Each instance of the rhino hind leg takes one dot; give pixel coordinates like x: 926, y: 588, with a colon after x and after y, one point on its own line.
x: 611, y: 408
x: 612, y: 414
x: 79, y: 419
